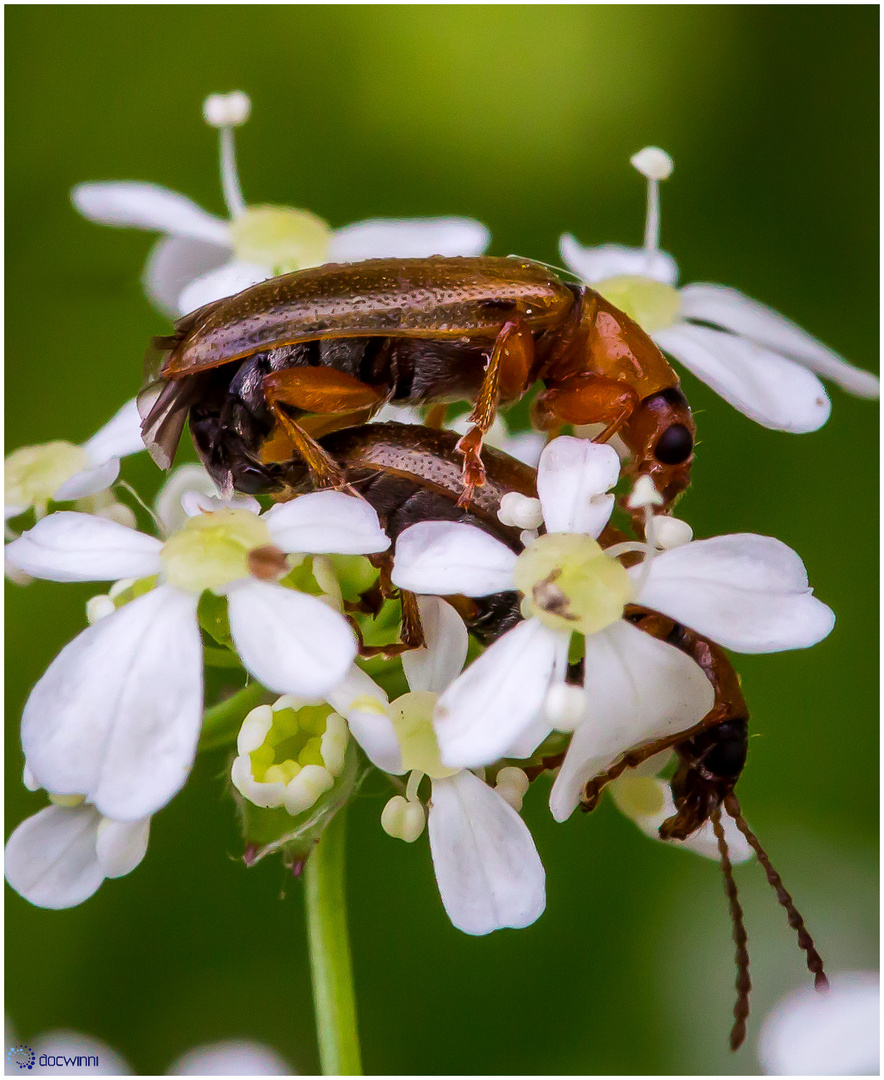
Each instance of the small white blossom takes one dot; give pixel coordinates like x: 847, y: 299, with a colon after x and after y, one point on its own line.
x: 60, y: 471
x: 747, y: 592
x: 759, y: 361
x: 202, y: 258
x: 59, y: 857
x: 487, y: 867
x: 836, y: 1032
x: 117, y: 715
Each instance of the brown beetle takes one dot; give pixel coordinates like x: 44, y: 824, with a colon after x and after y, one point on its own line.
x: 264, y: 372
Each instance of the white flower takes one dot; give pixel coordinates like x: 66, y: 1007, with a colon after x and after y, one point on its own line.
x: 487, y: 867
x: 202, y: 258
x: 117, y: 715
x: 188, y: 491
x: 60, y: 856
x: 289, y: 754
x: 759, y: 361
x: 747, y: 592
x: 60, y: 471
x: 836, y: 1032
x: 648, y: 801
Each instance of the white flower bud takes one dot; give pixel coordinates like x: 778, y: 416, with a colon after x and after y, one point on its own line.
x: 512, y: 783
x: 653, y: 163
x: 226, y: 110
x: 644, y: 493
x: 99, y: 607
x: 403, y: 820
x: 564, y: 706
x: 520, y: 511
x: 668, y: 532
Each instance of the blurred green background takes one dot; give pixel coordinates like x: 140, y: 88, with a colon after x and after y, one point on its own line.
x: 523, y: 117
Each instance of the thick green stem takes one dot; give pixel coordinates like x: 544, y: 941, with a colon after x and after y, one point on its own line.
x: 330, y: 963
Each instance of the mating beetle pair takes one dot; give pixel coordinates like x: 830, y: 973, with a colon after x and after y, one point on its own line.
x: 279, y: 380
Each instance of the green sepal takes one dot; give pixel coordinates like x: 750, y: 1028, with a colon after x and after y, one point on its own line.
x: 212, y: 614
x: 268, y: 830
x: 138, y: 588
x: 355, y: 574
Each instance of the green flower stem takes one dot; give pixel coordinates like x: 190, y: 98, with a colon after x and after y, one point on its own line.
x: 222, y: 722
x: 330, y: 963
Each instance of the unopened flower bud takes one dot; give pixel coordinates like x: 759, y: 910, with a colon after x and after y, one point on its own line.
x: 403, y: 820
x: 520, y: 510
x: 564, y: 706
x: 668, y: 532
x: 227, y: 110
x: 512, y: 783
x: 99, y: 607
x: 653, y: 163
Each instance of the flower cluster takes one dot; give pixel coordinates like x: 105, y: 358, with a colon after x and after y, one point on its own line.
x: 539, y: 640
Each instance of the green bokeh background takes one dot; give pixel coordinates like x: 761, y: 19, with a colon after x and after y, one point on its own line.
x: 523, y: 117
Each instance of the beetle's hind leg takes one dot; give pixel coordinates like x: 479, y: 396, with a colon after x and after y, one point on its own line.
x: 507, y: 375
x: 411, y: 632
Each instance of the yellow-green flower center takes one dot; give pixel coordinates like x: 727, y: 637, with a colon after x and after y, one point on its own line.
x: 280, y: 237
x: 33, y: 474
x: 212, y: 550
x: 638, y: 796
x: 653, y: 305
x: 299, y: 737
x: 412, y: 717
x: 569, y: 583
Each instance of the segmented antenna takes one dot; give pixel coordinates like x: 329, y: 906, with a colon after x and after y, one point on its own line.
x: 744, y: 983
x: 805, y: 941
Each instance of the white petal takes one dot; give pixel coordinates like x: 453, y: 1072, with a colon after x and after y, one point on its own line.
x: 593, y: 264
x: 121, y: 845
x: 771, y: 390
x: 327, y: 521
x: 703, y: 841
x: 227, y: 280
x: 120, y: 436
x: 50, y: 858
x: 291, y: 642
x: 741, y: 315
x: 440, y: 661
x: 572, y: 478
x: 489, y: 873
x: 637, y: 689
x: 67, y: 546
x: 526, y: 446
x: 499, y: 695
x: 747, y: 592
x: 117, y: 715
x: 395, y: 238
x: 363, y: 703
x: 135, y: 205
x: 89, y: 481
x: 176, y: 261
x: 234, y: 1057
x: 834, y: 1033
x: 447, y: 557
x: 73, y: 1044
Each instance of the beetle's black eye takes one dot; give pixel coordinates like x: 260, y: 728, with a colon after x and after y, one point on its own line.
x: 675, y: 445
x: 727, y: 758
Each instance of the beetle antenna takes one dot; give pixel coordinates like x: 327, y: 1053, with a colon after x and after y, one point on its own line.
x: 741, y: 938
x: 805, y: 941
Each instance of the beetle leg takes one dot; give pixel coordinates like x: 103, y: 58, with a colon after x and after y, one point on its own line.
x: 324, y: 470
x: 586, y: 399
x: 411, y: 632
x: 507, y: 375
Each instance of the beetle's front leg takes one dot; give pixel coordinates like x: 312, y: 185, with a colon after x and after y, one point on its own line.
x: 507, y: 375
x: 585, y: 399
